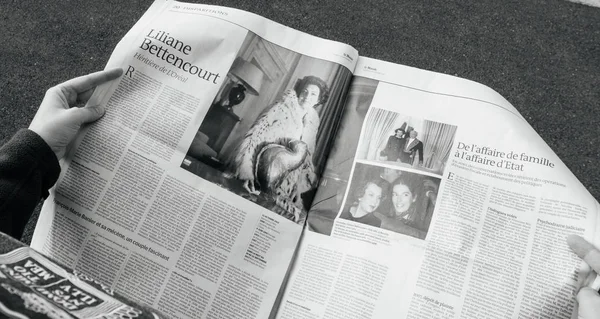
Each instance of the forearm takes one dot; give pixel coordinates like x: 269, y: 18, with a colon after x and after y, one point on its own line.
x: 28, y: 168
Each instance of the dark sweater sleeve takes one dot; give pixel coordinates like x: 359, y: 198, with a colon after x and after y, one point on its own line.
x: 28, y: 168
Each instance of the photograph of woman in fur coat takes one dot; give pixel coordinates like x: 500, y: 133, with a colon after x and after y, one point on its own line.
x: 270, y: 143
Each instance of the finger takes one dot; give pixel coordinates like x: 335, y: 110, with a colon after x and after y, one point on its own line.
x: 84, y: 83
x: 88, y: 113
x: 589, y: 303
x: 585, y: 251
x: 575, y: 313
x: 588, y: 275
x: 85, y: 96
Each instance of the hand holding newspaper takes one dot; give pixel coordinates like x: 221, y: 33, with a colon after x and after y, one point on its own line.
x: 260, y: 172
x: 589, y: 280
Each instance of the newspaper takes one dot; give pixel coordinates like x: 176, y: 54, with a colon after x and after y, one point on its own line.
x: 247, y: 170
x: 476, y: 229
x: 32, y: 286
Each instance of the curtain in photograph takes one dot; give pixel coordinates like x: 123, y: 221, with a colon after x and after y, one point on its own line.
x: 330, y: 116
x: 437, y: 140
x: 377, y: 126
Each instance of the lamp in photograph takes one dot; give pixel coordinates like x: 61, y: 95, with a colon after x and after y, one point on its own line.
x: 245, y: 76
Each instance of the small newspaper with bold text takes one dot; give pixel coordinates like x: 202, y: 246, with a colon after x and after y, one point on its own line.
x: 33, y: 286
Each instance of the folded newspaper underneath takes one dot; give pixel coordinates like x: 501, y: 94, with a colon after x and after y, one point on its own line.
x: 33, y: 286
x: 247, y: 170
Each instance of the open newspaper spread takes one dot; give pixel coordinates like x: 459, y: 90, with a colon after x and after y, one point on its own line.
x: 247, y: 170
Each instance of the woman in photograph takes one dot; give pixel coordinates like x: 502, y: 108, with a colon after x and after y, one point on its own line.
x: 405, y: 216
x: 367, y: 197
x: 291, y: 118
x: 394, y: 145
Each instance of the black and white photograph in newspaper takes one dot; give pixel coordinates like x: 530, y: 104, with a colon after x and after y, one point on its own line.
x: 332, y: 187
x: 391, y: 199
x: 268, y: 132
x: 405, y: 141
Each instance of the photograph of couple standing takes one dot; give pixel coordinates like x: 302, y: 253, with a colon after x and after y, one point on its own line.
x: 391, y: 199
x: 406, y: 141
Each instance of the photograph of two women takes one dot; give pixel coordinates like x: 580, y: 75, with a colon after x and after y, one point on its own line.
x: 391, y: 199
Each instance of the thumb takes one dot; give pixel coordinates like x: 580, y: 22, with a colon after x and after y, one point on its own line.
x: 89, y: 113
x: 589, y: 303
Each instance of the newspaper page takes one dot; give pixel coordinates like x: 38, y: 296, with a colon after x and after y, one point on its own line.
x: 438, y: 201
x: 189, y: 195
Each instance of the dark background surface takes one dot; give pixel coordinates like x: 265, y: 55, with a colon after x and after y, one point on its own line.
x: 542, y: 56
